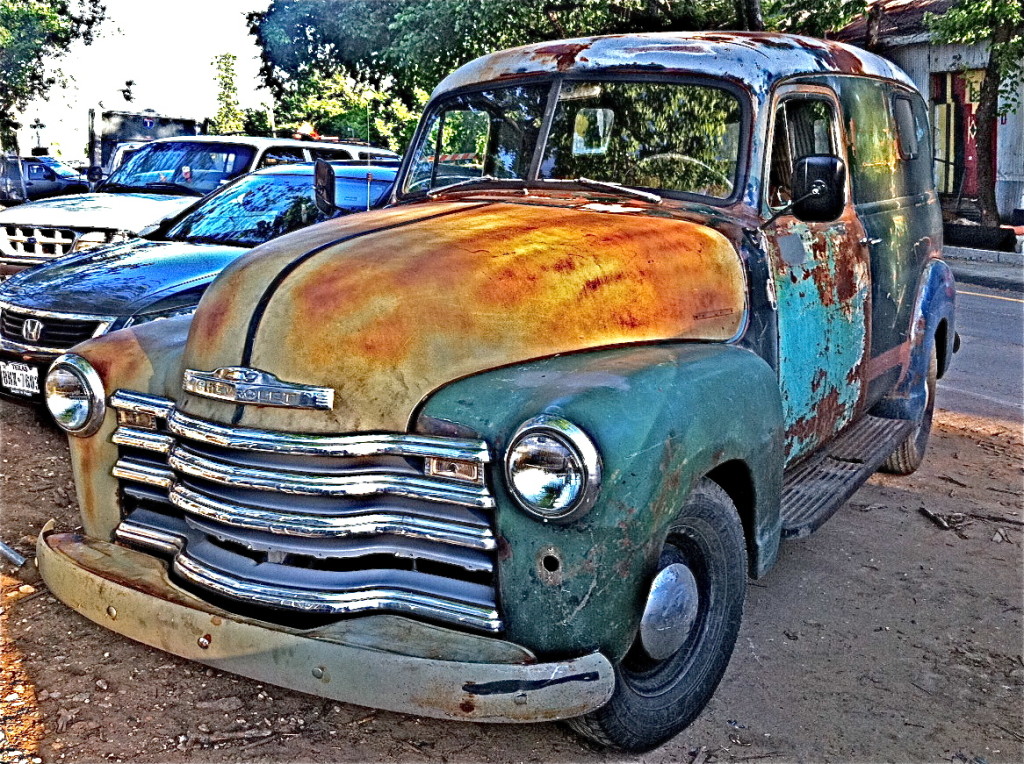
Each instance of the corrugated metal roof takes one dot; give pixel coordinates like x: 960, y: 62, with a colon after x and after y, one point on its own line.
x: 896, y: 18
x: 756, y: 59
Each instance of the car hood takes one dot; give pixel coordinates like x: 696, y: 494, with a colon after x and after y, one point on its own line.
x: 387, y: 306
x: 121, y: 212
x: 119, y: 280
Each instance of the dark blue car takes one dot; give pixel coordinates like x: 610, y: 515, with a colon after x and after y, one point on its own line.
x: 47, y: 309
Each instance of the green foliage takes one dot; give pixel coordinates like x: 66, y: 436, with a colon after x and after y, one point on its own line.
x: 339, y: 105
x: 401, y: 49
x: 1002, y: 22
x: 811, y: 17
x: 31, y: 32
x: 229, y: 119
x: 256, y: 122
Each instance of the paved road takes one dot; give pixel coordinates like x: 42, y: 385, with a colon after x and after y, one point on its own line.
x: 987, y: 373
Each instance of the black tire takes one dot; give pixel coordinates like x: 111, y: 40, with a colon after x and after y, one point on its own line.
x: 656, y: 699
x: 910, y: 453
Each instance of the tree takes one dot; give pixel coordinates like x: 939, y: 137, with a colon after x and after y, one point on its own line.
x: 405, y: 47
x: 1001, y: 22
x: 229, y: 119
x: 31, y: 33
x: 815, y: 18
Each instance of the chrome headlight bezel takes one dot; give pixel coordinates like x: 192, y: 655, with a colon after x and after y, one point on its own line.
x: 93, y: 395
x: 584, y: 454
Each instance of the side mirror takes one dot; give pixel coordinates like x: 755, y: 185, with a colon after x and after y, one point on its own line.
x: 323, y: 187
x: 819, y: 188
x: 49, y: 175
x: 95, y: 174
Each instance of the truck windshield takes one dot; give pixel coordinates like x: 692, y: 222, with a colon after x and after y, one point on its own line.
x: 667, y: 136
x: 258, y: 208
x: 180, y: 167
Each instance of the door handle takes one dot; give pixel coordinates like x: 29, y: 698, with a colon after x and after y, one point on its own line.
x: 870, y: 241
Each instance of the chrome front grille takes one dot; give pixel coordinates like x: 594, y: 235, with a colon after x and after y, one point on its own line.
x: 35, y: 245
x: 52, y: 331
x: 324, y: 525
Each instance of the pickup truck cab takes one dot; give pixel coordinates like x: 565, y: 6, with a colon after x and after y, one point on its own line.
x: 507, y: 450
x: 159, y: 180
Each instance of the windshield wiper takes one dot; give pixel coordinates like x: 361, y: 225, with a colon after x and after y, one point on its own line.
x: 606, y: 185
x: 174, y: 186
x: 471, y: 181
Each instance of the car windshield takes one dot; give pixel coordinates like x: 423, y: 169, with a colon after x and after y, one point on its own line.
x: 674, y: 137
x: 180, y: 167
x: 61, y: 169
x: 258, y: 208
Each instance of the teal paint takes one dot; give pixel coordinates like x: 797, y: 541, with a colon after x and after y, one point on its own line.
x: 662, y: 416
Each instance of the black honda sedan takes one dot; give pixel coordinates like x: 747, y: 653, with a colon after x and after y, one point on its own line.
x: 47, y: 309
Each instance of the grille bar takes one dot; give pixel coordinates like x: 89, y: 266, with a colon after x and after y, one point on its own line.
x: 359, y: 485
x: 374, y: 522
x: 245, y: 439
x: 350, y: 602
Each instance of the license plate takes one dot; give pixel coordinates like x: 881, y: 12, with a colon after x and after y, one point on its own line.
x: 19, y: 378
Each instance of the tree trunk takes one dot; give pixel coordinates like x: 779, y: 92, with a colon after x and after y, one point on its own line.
x: 749, y: 16
x: 985, y: 123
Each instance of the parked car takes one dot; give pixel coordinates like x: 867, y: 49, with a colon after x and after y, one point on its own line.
x: 46, y: 176
x: 159, y: 180
x: 46, y: 310
x: 508, y: 449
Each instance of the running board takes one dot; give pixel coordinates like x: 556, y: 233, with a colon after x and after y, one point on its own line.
x: 815, y: 489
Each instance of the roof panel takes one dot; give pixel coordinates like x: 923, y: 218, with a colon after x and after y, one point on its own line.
x: 757, y: 59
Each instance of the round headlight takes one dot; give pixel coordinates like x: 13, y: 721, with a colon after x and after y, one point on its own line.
x: 553, y: 468
x: 74, y: 395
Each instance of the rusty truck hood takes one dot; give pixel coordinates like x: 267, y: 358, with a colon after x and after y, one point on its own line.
x: 386, y: 307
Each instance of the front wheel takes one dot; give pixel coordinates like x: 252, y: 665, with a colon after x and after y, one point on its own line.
x: 688, y: 631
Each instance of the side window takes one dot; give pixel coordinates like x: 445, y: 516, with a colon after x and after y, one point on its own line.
x: 804, y: 126
x: 906, y: 129
x: 331, y: 155
x: 36, y: 172
x: 281, y: 155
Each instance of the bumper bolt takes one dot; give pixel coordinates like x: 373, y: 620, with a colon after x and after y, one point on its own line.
x: 318, y: 672
x: 204, y: 641
x: 520, y: 699
x: 112, y: 612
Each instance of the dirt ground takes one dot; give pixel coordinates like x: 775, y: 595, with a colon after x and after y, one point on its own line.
x: 882, y: 637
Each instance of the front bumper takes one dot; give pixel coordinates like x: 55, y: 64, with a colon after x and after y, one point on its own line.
x: 380, y: 661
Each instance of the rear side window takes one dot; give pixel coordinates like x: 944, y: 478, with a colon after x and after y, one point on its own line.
x: 331, y: 155
x: 281, y: 155
x: 906, y: 129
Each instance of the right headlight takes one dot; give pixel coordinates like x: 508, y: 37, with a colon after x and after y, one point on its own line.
x: 74, y: 395
x: 553, y: 469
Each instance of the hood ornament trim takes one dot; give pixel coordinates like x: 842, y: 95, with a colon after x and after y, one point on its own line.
x: 239, y: 384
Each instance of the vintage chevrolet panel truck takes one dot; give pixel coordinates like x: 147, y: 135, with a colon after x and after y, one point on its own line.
x: 508, y: 449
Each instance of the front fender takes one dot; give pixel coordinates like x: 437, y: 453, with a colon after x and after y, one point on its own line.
x: 145, y: 359
x: 662, y: 417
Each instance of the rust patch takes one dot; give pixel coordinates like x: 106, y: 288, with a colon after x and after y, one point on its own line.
x: 564, y: 54
x: 467, y: 706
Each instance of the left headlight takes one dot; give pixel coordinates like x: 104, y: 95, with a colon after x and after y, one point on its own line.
x: 91, y: 239
x: 74, y: 395
x: 158, y: 315
x: 553, y: 469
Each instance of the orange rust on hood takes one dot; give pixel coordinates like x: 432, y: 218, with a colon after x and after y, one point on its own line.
x: 387, y: 317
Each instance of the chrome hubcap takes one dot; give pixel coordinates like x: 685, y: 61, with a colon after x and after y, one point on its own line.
x: 670, y: 612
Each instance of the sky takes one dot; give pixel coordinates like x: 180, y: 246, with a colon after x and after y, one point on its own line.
x: 167, y: 48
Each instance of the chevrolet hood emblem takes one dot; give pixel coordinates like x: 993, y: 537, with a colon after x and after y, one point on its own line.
x: 238, y: 384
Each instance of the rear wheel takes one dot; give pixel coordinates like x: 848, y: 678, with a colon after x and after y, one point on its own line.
x: 688, y: 631
x: 910, y: 453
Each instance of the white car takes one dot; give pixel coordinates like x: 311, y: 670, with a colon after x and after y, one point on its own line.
x: 159, y: 180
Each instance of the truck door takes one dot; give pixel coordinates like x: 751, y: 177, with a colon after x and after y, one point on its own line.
x: 821, y: 278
